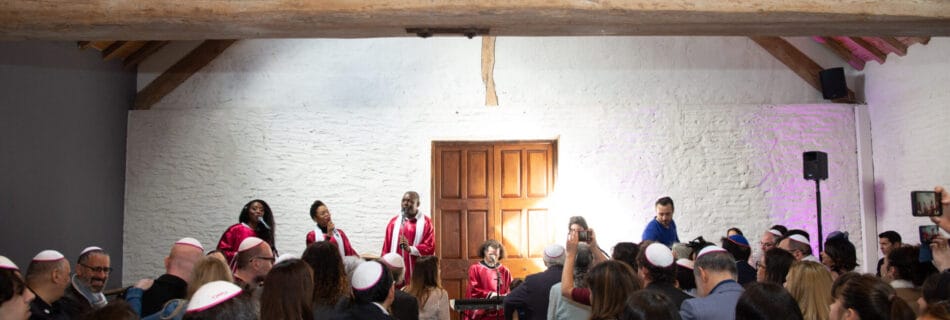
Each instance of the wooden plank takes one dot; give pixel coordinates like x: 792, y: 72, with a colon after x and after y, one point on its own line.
x: 895, y: 45
x: 121, y: 49
x: 100, y: 45
x: 171, y: 20
x: 488, y: 70
x: 83, y: 45
x: 794, y: 59
x: 876, y: 53
x: 842, y: 52
x: 179, y: 72
x: 147, y: 50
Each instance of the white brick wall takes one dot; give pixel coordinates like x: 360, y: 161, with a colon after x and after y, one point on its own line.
x: 908, y: 99
x: 711, y: 122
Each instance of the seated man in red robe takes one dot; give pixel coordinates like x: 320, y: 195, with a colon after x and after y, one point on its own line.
x: 487, y: 279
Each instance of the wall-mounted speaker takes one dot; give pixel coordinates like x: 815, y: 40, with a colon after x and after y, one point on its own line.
x: 833, y: 85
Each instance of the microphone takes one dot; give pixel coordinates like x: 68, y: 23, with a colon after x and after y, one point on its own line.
x: 405, y: 247
x: 261, y: 220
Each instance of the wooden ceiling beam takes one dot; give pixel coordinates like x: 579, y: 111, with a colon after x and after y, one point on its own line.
x: 875, y: 52
x: 894, y: 45
x: 138, y: 56
x: 179, y: 72
x: 207, y: 19
x: 798, y: 62
x: 842, y: 52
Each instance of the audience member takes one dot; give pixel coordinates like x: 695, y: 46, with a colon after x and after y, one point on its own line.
x: 115, y: 310
x: 330, y: 284
x: 372, y: 292
x: 252, y: 263
x: 681, y: 251
x: 325, y: 230
x: 798, y: 245
x: 810, y: 284
x: 900, y: 269
x: 179, y: 265
x: 935, y: 289
x: 15, y: 297
x: 697, y: 245
x: 576, y: 223
x: 662, y: 228
x: 775, y: 265
x: 488, y: 278
x: 649, y: 305
x: 658, y: 273
x: 532, y: 296
x: 839, y: 255
x: 866, y: 297
x: 562, y: 308
x: 217, y: 254
x: 715, y: 273
x: 426, y: 287
x: 767, y: 301
x: 887, y: 240
x: 404, y: 305
x: 684, y: 276
x: 256, y: 220
x: 733, y: 232
x: 221, y: 300
x: 626, y: 252
x: 208, y: 269
x: 288, y: 294
x: 48, y: 277
x: 611, y: 283
x: 738, y: 246
x: 85, y: 292
x: 767, y: 241
x: 943, y: 220
x: 581, y: 295
x: 937, y: 311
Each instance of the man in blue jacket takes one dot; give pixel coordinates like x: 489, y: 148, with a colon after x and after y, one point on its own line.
x: 662, y: 229
x: 715, y: 273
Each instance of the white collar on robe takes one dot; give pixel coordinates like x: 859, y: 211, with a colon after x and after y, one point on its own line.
x: 397, y: 230
x: 318, y: 236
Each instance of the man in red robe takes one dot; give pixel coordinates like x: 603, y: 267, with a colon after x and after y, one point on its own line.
x: 410, y: 234
x: 488, y: 279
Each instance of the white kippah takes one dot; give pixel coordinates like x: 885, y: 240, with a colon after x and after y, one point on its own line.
x: 799, y: 238
x: 393, y: 260
x: 6, y: 263
x: 685, y: 263
x: 249, y: 243
x: 777, y: 233
x: 366, y: 276
x: 659, y: 255
x: 212, y: 294
x: 190, y: 242
x: 710, y: 249
x: 88, y: 249
x: 48, y: 255
x: 554, y: 251
x: 351, y: 262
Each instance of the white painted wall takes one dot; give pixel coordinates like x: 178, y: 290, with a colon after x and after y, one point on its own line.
x: 716, y: 123
x: 907, y: 99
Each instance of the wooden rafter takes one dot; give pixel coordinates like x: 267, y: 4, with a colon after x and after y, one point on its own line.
x: 798, y: 62
x: 895, y: 45
x: 147, y: 50
x: 875, y: 52
x: 842, y: 52
x: 179, y: 72
x: 167, y: 20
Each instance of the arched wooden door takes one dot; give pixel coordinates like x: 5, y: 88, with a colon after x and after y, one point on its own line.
x: 491, y: 190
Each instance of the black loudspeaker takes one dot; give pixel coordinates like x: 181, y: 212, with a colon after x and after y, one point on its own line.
x: 816, y: 165
x: 833, y: 85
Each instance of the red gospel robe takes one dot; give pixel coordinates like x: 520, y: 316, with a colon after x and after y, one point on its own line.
x: 484, y: 281
x: 422, y: 242
x: 345, y: 249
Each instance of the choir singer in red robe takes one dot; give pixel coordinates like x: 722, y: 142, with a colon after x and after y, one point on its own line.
x: 487, y: 279
x: 409, y: 234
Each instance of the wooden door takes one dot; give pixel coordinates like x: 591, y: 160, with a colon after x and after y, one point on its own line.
x: 491, y: 190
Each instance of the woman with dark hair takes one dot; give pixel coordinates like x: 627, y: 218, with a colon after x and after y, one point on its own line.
x: 734, y: 232
x: 488, y: 278
x: 289, y: 292
x: 866, y: 297
x: 327, y: 231
x: 611, y: 283
x: 426, y: 286
x: 576, y: 223
x: 626, y: 252
x: 649, y: 305
x: 15, y: 297
x: 255, y: 220
x: 330, y: 285
x: 767, y: 301
x: 839, y: 255
x: 935, y: 289
x: 774, y: 266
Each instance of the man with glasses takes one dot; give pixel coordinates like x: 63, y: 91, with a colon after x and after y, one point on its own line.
x: 768, y: 241
x: 252, y: 263
x: 85, y: 291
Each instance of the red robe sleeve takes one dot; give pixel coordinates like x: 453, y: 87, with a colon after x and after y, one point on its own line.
x: 426, y: 247
x: 231, y: 240
x: 311, y: 238
x: 347, y: 248
x: 389, y: 236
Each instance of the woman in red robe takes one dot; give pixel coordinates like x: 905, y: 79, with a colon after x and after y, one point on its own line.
x: 325, y: 230
x: 256, y: 220
x: 488, y: 279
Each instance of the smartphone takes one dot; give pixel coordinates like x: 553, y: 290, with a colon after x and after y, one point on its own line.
x: 927, y: 235
x: 925, y: 204
x: 583, y: 236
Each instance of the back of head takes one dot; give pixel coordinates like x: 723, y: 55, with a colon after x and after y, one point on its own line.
x: 777, y: 264
x: 681, y: 251
x: 115, y: 310
x: 939, y: 310
x: 871, y: 298
x: 767, y: 301
x: 554, y: 255
x: 289, y: 291
x: 936, y: 288
x: 716, y: 262
x: 661, y: 268
x: 809, y: 283
x: 626, y: 252
x: 183, y: 256
x: 208, y: 269
x: 371, y: 282
x: 649, y: 305
x: 329, y: 276
x: 241, y: 307
x: 842, y: 253
x: 41, y: 271
x: 738, y: 246
x: 780, y: 228
x: 424, y: 277
x: 904, y: 261
x: 611, y: 283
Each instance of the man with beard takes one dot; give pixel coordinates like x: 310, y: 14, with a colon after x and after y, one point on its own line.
x: 252, y: 263
x: 85, y: 290
x: 488, y: 279
x: 411, y: 224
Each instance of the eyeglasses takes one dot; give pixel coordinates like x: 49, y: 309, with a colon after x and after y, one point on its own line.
x: 767, y: 244
x: 106, y: 270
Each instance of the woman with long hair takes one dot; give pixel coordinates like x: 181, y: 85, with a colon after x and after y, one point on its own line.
x: 767, y: 301
x: 206, y: 270
x: 256, y: 220
x: 866, y: 297
x: 330, y: 285
x: 810, y: 284
x: 611, y: 282
x: 289, y: 292
x: 839, y: 255
x: 774, y: 265
x: 426, y: 286
x: 327, y: 231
